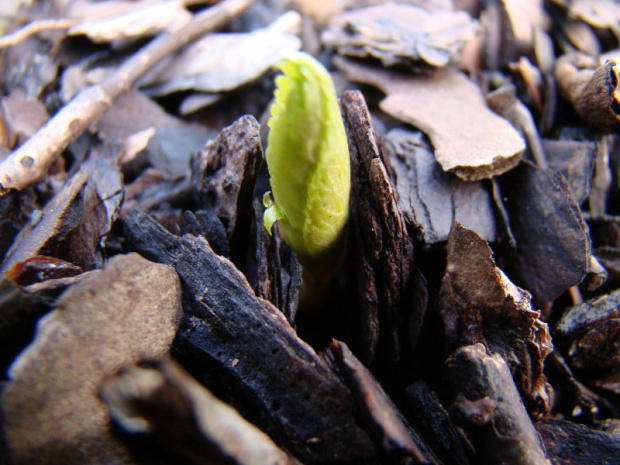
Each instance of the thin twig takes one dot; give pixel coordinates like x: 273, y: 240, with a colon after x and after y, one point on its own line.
x: 34, y: 28
x: 29, y: 163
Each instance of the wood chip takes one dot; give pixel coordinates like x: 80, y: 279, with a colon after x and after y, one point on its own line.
x: 553, y: 245
x: 597, y: 13
x: 51, y: 412
x: 274, y: 271
x: 488, y: 406
x: 103, y: 195
x: 592, y: 88
x: 381, y: 265
x: 431, y: 419
x: 439, y: 104
x: 378, y: 410
x: 224, y: 176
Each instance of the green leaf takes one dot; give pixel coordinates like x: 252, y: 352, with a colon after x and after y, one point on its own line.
x: 308, y: 160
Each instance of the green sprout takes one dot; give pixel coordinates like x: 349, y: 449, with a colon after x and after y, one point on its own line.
x: 309, y: 166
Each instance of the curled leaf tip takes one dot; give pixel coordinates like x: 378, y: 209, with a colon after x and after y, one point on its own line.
x: 272, y: 213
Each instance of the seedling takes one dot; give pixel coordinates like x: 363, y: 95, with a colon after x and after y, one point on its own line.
x: 309, y: 166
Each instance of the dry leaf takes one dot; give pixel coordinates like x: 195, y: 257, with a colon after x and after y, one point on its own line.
x: 603, y: 14
x: 117, y: 22
x: 222, y: 62
x: 23, y: 116
x: 469, y: 139
x: 117, y: 316
x: 174, y: 140
x: 401, y: 35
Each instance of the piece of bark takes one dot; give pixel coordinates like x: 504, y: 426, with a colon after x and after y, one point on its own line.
x: 162, y: 197
x: 223, y: 62
x: 274, y: 272
x: 19, y: 312
x: 439, y: 104
x: 553, y: 245
x: 15, y: 210
x: 117, y: 316
x: 302, y: 403
x: 381, y: 416
x: 589, y: 332
x: 431, y: 199
x: 401, y: 35
x: 165, y: 401
x: 208, y: 225
x: 569, y: 443
x: 224, y: 176
x: 431, y: 419
x: 575, y: 160
x: 59, y: 217
x: 487, y: 405
x: 381, y: 264
x: 478, y: 303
